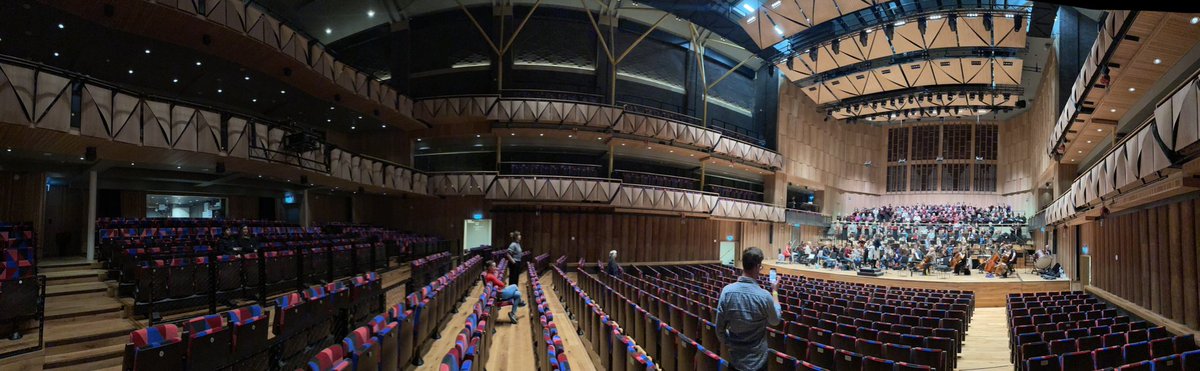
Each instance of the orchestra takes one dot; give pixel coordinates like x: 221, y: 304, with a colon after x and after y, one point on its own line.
x: 992, y: 257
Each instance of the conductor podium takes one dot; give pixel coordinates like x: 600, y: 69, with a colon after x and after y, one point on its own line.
x: 870, y: 271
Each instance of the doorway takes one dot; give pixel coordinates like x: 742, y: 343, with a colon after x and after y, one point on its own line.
x: 728, y: 252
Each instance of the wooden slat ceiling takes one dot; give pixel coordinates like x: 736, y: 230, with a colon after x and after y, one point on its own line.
x: 946, y: 71
x: 907, y: 38
x: 1164, y: 37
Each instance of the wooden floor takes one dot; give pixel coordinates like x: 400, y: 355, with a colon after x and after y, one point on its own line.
x: 989, y: 292
x: 511, y: 349
x: 577, y: 354
x: 986, y: 346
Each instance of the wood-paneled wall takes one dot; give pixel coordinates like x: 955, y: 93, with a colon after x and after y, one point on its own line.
x: 637, y: 238
x: 1150, y: 257
x: 1023, y: 154
x: 21, y: 197
x: 828, y: 153
x: 327, y: 209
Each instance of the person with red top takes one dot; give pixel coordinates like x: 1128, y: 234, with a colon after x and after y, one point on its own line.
x: 507, y: 293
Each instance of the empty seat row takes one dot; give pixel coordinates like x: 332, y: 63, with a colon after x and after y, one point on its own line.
x: 612, y: 341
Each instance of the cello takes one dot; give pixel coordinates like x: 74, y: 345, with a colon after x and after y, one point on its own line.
x: 990, y: 266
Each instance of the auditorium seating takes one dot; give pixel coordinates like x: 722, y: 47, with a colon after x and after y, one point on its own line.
x: 822, y: 325
x: 545, y: 331
x: 738, y: 193
x: 618, y: 350
x: 471, y: 344
x: 175, y: 264
x: 1072, y: 330
x: 321, y: 328
x: 554, y: 169
x: 20, y: 289
x: 657, y: 180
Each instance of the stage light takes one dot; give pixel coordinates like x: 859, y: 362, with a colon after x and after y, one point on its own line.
x: 328, y: 30
x: 953, y: 22
x: 812, y: 54
x: 370, y: 14
x: 889, y: 31
x: 921, y: 25
x: 1017, y: 23
x: 862, y: 38
x: 987, y: 22
x: 836, y: 46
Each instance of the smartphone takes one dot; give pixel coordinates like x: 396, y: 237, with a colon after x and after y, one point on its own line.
x: 774, y: 278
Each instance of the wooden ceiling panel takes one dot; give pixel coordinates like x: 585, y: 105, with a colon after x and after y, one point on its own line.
x: 971, y: 32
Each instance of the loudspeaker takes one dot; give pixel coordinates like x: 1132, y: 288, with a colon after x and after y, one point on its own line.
x: 304, y: 179
x: 220, y: 168
x: 89, y: 154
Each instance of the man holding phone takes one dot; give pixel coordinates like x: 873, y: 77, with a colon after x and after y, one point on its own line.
x: 744, y: 312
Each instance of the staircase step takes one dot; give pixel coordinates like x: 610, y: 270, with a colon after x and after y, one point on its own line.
x: 73, y: 276
x: 76, y: 288
x: 59, y: 266
x: 62, y: 307
x: 63, y: 333
x: 92, y: 358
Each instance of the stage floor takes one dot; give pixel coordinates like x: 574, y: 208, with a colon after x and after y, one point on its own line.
x: 989, y: 292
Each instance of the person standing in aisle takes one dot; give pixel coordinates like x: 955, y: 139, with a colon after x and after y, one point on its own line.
x: 515, y: 258
x: 744, y: 312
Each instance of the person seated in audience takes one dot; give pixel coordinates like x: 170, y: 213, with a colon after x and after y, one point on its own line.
x: 508, y: 293
x: 744, y: 311
x: 244, y: 241
x: 612, y: 268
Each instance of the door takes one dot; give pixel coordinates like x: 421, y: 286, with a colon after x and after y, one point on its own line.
x: 728, y: 250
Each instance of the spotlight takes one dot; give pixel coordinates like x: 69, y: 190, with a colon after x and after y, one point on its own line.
x: 812, y: 54
x: 1017, y: 23
x: 987, y: 22
x: 862, y: 38
x: 889, y: 30
x: 922, y: 23
x: 836, y: 46
x: 953, y: 22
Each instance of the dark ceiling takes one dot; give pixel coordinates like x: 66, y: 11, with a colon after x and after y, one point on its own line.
x: 31, y: 31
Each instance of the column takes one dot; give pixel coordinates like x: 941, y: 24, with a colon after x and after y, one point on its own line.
x: 305, y: 213
x: 90, y: 221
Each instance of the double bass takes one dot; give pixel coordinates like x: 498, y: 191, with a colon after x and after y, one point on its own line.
x: 990, y: 265
x: 923, y: 266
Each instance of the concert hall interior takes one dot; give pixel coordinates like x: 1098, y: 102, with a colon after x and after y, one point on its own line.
x: 613, y: 185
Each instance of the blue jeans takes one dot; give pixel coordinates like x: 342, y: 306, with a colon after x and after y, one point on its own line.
x: 511, y: 293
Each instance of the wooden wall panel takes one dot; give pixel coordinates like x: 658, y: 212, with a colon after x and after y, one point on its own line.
x: 21, y: 197
x: 636, y: 237
x: 329, y: 208
x: 1023, y: 147
x: 1149, y: 257
x: 133, y: 204
x: 828, y: 154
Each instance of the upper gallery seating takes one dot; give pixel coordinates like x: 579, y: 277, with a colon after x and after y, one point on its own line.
x: 612, y: 341
x: 167, y: 264
x: 554, y: 169
x: 337, y: 326
x: 1072, y: 330
x: 827, y: 324
x: 657, y: 180
x: 19, y: 288
x: 738, y: 193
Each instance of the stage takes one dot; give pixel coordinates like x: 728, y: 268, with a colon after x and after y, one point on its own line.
x: 989, y: 292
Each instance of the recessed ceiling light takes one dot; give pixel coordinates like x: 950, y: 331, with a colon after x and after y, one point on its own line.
x: 1080, y: 151
x: 219, y: 91
x: 512, y: 134
x: 1195, y: 20
x: 55, y: 54
x: 132, y: 164
x: 1099, y: 129
x: 418, y: 139
x: 1157, y: 61
x: 331, y: 108
x: 1089, y: 142
x: 370, y: 14
x: 328, y: 30
x: 81, y: 159
x: 1132, y: 90
x: 260, y: 176
x: 174, y: 81
x: 147, y: 51
x: 198, y: 63
x: 8, y: 150
x: 599, y: 138
x: 691, y: 155
x: 647, y: 147
x: 1072, y: 160
x: 541, y: 135
x: 360, y: 117
x: 328, y: 120
x: 622, y: 144
x: 1112, y: 110
x: 130, y: 72
x: 352, y: 128
x: 671, y: 151
x: 253, y: 100
x: 179, y: 167
x: 247, y: 78
x: 383, y: 126
x: 61, y: 26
